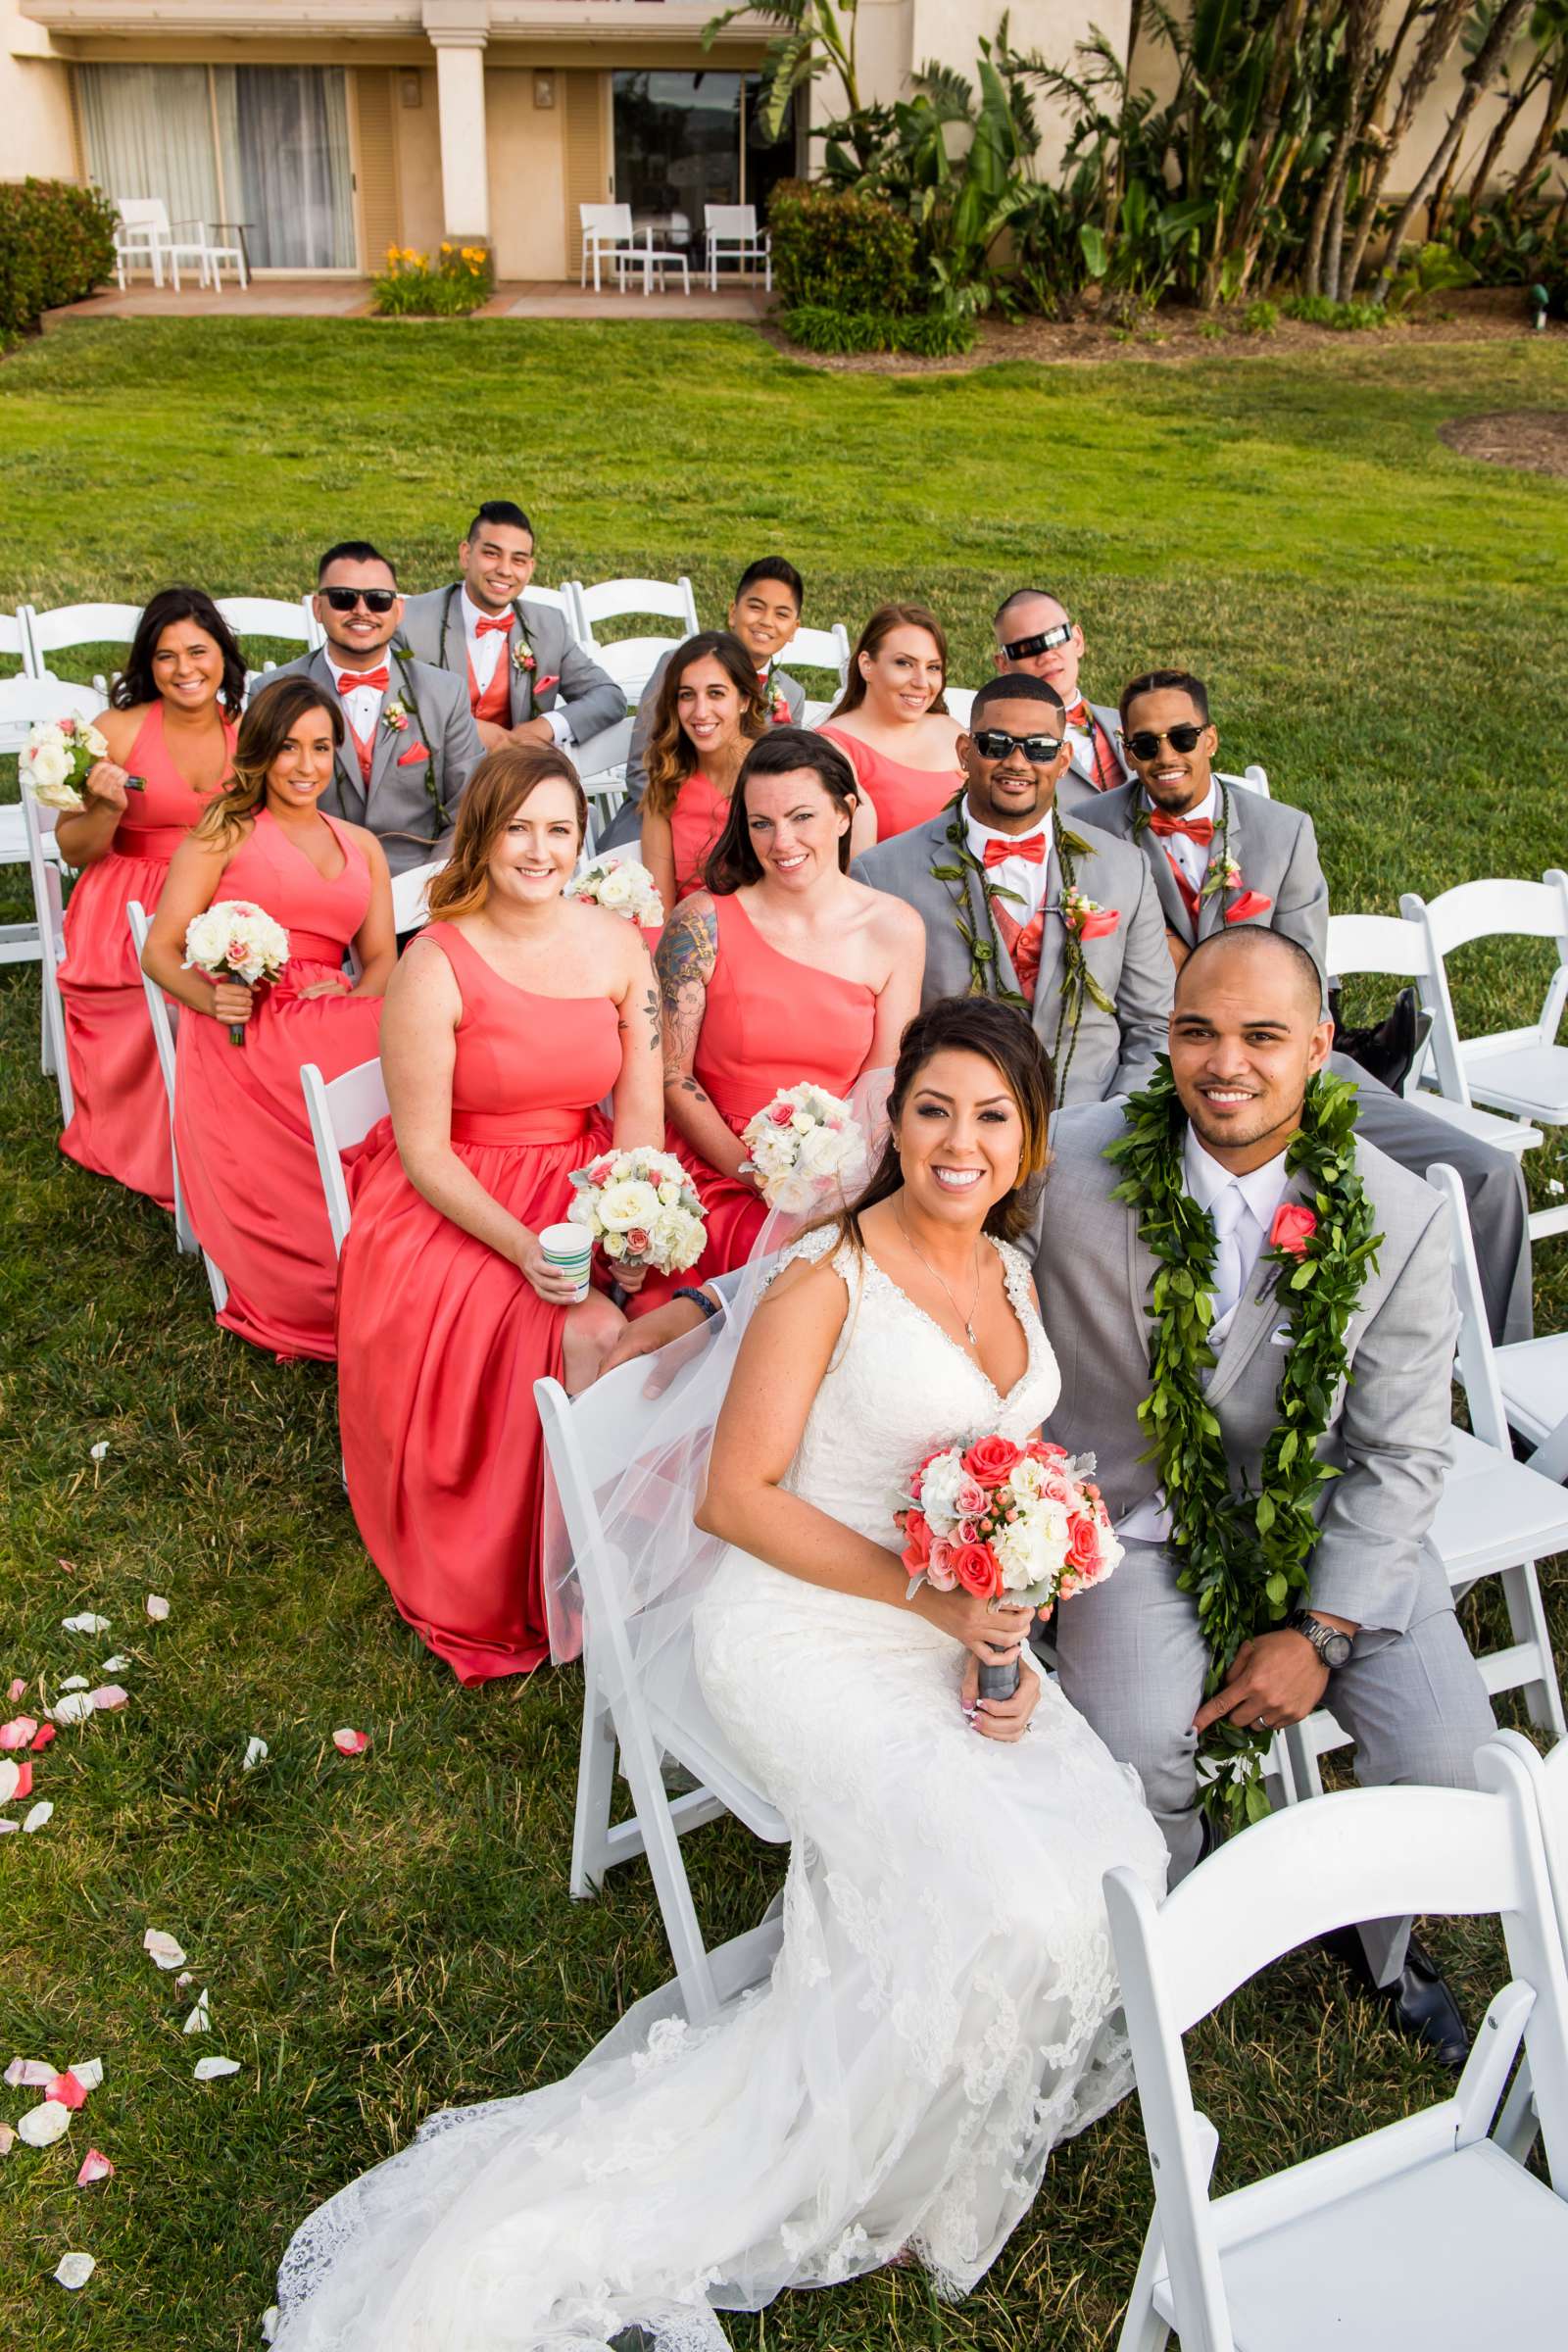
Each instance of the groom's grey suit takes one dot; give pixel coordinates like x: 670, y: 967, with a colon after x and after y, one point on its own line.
x: 1113, y: 1056
x: 432, y: 630
x: 1130, y: 1654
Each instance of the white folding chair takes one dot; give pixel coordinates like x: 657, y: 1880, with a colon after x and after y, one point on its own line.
x: 45, y: 872
x: 730, y: 233
x: 601, y: 764
x: 1548, y: 1777
x: 281, y: 618
x: 1523, y: 1072
x: 63, y: 626
x: 24, y: 701
x: 410, y: 900
x: 961, y: 703
x: 647, y: 1717
x: 15, y: 643
x: 1423, y: 2236
x: 1521, y: 1386
x: 1252, y: 778
x: 1495, y: 1517
x: 631, y: 661
x: 818, y: 649
x: 608, y: 233
x: 164, y: 1018
x: 341, y: 1113
x: 562, y: 600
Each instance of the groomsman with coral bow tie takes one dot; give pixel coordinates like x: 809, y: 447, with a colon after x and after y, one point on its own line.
x: 409, y: 745
x: 1021, y: 907
x: 528, y: 680
x: 1037, y: 638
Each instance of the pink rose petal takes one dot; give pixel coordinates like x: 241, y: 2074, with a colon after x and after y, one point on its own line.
x: 22, y: 1784
x: 41, y: 1738
x: 95, y: 2167
x: 351, y: 1743
x: 8, y: 2139
x: 18, y: 1732
x: 17, y: 1689
x: 29, y: 2073
x: 67, y: 2089
x: 157, y: 1607
x: 106, y: 1697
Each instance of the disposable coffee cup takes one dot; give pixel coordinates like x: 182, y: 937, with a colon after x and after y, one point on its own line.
x: 572, y: 1248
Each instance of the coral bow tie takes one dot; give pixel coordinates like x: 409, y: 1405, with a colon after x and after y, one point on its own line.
x: 353, y: 679
x: 1197, y: 828
x: 1077, y: 715
x: 1031, y: 848
x: 502, y: 621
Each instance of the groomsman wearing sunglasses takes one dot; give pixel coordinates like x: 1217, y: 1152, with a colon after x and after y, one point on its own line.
x: 410, y: 743
x: 1221, y: 858
x: 1036, y: 637
x: 1017, y: 904
x: 528, y: 678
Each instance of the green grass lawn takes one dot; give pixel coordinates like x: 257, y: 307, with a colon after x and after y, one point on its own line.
x: 1383, y: 624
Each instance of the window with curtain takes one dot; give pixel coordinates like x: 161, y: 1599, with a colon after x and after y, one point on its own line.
x: 149, y: 132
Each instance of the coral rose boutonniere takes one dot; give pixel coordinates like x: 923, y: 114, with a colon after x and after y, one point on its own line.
x: 395, y: 718
x: 1224, y: 873
x: 1293, y: 1227
x: 521, y: 653
x: 1086, y: 918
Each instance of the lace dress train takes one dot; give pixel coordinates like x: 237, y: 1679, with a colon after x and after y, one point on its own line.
x: 941, y: 2013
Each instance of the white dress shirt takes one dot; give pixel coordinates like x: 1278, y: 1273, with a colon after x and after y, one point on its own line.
x: 1242, y: 1225
x: 1191, y: 856
x: 1031, y: 882
x: 1081, y: 742
x: 484, y: 651
x: 361, y: 705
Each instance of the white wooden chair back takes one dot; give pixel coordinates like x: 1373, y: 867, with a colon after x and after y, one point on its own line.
x: 601, y: 764
x: 14, y: 641
x: 287, y: 621
x: 341, y: 1113
x: 63, y: 626
x: 562, y: 600
x: 1489, y: 909
x: 24, y: 701
x: 1359, y: 2242
x: 645, y: 1717
x: 1252, y: 778
x: 612, y: 599
x: 1478, y: 1368
x: 818, y: 649
x: 164, y: 1018
x: 961, y: 703
x: 410, y: 896
x: 44, y: 874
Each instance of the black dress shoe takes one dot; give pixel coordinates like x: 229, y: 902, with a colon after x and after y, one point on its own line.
x: 1418, y: 2002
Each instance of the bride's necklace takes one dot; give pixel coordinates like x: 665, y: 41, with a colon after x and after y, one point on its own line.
x: 967, y: 1320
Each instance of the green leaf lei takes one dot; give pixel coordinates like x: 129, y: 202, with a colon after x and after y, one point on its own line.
x: 977, y: 927
x: 1247, y: 1557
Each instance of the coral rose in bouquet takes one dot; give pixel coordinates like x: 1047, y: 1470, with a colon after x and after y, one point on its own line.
x: 56, y: 759
x: 622, y: 885
x: 803, y: 1147
x: 640, y: 1209
x: 236, y: 939
x: 1000, y: 1520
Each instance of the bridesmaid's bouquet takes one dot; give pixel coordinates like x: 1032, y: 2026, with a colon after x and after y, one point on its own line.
x: 56, y: 759
x: 623, y: 885
x: 998, y: 1519
x: 236, y: 939
x: 640, y: 1209
x: 803, y: 1146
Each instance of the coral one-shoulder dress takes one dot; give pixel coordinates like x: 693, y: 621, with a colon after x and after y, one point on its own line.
x: 900, y: 796
x: 246, y: 1159
x: 698, y: 819
x: 769, y: 1022
x: 440, y: 1340
x: 121, y: 1125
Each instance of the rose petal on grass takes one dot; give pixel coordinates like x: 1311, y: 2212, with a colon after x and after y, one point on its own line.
x: 157, y: 1607
x: 10, y: 1778
x: 349, y: 1742
x: 95, y: 2166
x: 84, y: 1623
x: 183, y: 1978
x: 89, y: 2072
x: 270, y: 2323
x: 75, y: 2270
x: 5, y: 1826
x: 74, y: 1681
x: 37, y: 1817
x: 117, y: 1664
x: 162, y: 1948
x: 42, y: 2126
x: 19, y: 1732
x: 106, y: 1697
x: 42, y: 1737
x: 208, y: 2070
x: 69, y: 2089
x: 75, y: 1707
x: 29, y: 2073
x: 99, y: 1452
x: 257, y: 1752
x: 17, y: 1687
x: 199, y: 2021
x: 8, y: 2139
x: 22, y: 1785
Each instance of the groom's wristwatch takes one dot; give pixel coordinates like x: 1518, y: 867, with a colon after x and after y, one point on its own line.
x: 1331, y: 1646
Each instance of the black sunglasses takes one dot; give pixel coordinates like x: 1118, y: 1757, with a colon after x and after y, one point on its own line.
x: 994, y: 743
x: 1147, y: 741
x: 374, y: 600
x: 1024, y: 648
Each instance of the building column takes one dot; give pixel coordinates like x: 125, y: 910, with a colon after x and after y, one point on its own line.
x: 458, y: 30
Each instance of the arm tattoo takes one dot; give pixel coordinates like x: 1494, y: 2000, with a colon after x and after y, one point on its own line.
x: 687, y: 955
x: 650, y: 1019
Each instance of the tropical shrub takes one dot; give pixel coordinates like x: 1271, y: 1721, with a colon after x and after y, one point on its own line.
x: 841, y: 250
x: 57, y: 245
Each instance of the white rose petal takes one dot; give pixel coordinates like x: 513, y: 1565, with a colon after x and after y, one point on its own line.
x: 268, y: 2323
x: 75, y: 2270
x: 74, y: 1681
x: 157, y: 1607
x: 37, y: 1817
x: 99, y: 1454
x: 44, y: 2124
x: 199, y: 2020
x: 29, y: 2073
x: 208, y: 2070
x: 183, y: 1979
x: 162, y: 1949
x: 257, y: 1752
x: 10, y: 1778
x: 8, y: 2139
x: 75, y: 1707
x: 86, y: 1623
x: 6, y: 1827
x: 89, y: 2072
x: 116, y: 1665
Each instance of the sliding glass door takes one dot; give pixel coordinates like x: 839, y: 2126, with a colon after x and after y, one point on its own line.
x: 686, y: 140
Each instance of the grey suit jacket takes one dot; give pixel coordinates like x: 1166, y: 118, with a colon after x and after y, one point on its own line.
x: 1274, y: 846
x: 432, y: 630
x: 792, y: 691
x: 1113, y: 1056
x: 1388, y: 1428
x: 411, y: 804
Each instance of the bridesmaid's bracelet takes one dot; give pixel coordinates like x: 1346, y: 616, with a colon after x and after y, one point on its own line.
x: 699, y: 1298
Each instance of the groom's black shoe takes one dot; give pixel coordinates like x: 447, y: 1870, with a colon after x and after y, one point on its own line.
x: 1418, y: 2002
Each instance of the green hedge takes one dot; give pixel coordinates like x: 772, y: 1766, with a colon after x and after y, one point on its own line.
x: 57, y: 243
x: 929, y: 335
x: 840, y: 252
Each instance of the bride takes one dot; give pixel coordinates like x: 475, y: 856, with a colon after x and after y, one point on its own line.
x: 943, y: 2008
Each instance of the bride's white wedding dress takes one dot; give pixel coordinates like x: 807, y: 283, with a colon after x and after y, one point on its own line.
x: 941, y: 2013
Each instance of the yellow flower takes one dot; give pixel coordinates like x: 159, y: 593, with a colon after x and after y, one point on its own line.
x: 446, y: 248
x: 391, y: 253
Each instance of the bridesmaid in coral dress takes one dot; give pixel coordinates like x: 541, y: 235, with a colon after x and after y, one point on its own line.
x: 246, y: 1163
x: 509, y: 1020
x: 891, y: 722
x: 174, y: 709
x: 783, y: 970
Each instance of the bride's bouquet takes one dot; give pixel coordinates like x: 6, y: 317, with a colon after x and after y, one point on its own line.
x: 56, y: 759
x: 622, y: 885
x: 803, y: 1147
x: 998, y: 1519
x: 236, y: 939
x: 640, y: 1209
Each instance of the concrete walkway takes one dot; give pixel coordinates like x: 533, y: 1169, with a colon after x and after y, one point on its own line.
x: 351, y: 298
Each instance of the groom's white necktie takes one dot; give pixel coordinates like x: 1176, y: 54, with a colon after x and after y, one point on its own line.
x: 1234, y: 1259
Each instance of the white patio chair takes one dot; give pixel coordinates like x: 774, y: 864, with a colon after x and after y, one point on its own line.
x: 818, y: 649
x: 341, y: 1113
x: 141, y: 234
x: 1521, y: 1386
x: 163, y: 1016
x: 647, y: 1717
x: 1495, y: 1517
x: 1523, y: 1072
x: 63, y: 627
x: 730, y: 233
x: 608, y: 233
x: 23, y: 702
x: 1389, y: 945
x: 631, y: 661
x: 45, y: 872
x: 1423, y: 2236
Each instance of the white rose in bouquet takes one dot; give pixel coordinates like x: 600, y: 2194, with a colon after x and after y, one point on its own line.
x: 623, y: 885
x: 236, y: 939
x: 56, y: 759
x: 640, y: 1209
x: 630, y: 1202
x: 48, y: 768
x: 802, y: 1146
